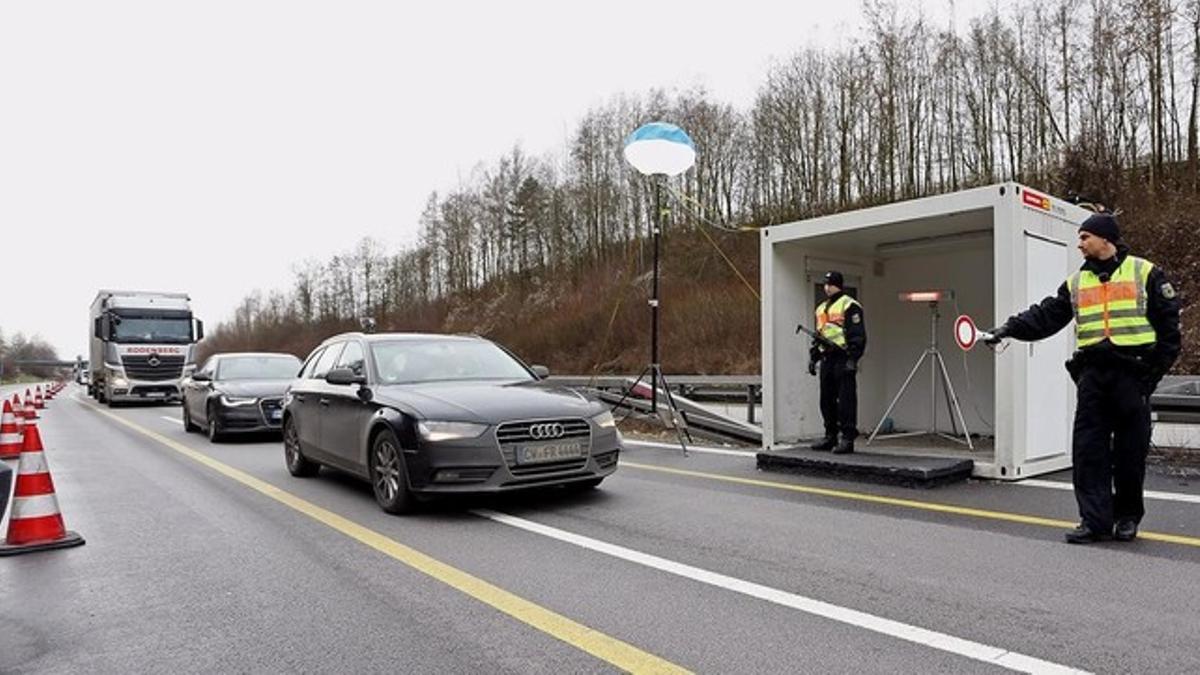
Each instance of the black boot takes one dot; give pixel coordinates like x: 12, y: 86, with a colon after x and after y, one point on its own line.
x: 845, y: 447
x: 1084, y: 534
x: 826, y: 443
x: 1126, y: 530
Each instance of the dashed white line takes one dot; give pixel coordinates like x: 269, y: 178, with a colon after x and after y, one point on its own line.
x: 948, y: 643
x: 174, y: 420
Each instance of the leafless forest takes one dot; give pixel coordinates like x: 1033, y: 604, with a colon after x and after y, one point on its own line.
x: 549, y: 254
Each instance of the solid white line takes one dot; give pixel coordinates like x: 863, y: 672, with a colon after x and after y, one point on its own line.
x: 942, y: 641
x: 692, y: 448
x: 175, y: 420
x: 1028, y: 482
x: 1149, y: 494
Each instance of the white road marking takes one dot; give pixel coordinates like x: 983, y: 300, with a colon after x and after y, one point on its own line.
x: 974, y: 650
x: 1149, y: 494
x: 174, y: 420
x: 692, y: 448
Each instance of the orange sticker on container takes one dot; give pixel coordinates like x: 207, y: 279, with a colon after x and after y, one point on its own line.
x: 1035, y: 200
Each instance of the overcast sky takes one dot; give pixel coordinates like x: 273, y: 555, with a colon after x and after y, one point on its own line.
x: 206, y: 147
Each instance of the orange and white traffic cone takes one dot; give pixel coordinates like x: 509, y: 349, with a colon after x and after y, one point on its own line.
x: 30, y: 408
x: 19, y: 414
x: 50, y: 392
x: 35, y: 523
x: 11, y: 437
x: 38, y: 401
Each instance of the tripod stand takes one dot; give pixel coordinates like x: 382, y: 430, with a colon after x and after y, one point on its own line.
x: 677, y: 420
x: 937, y: 366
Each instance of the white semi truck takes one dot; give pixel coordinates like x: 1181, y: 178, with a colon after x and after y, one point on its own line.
x: 142, y: 345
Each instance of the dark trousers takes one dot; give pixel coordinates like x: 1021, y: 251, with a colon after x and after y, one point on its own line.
x: 839, y: 397
x: 1110, y: 442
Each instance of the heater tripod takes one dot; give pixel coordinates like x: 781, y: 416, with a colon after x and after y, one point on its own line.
x: 937, y: 367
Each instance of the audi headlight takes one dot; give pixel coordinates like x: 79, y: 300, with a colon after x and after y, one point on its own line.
x: 435, y: 431
x: 237, y: 401
x: 605, y: 420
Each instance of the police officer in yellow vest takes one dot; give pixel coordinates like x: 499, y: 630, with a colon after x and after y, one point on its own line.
x: 840, y: 322
x: 1127, y: 332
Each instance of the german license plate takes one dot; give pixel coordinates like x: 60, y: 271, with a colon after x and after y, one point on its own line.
x: 548, y: 452
x: 275, y: 415
x: 155, y: 394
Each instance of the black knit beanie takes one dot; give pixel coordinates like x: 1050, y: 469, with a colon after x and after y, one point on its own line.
x: 1102, y: 225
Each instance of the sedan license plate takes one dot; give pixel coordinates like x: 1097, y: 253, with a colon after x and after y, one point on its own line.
x: 276, y: 415
x: 155, y: 394
x: 548, y: 452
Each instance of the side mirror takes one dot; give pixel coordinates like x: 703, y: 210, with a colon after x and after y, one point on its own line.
x: 542, y: 372
x: 345, y: 376
x: 199, y: 330
x: 98, y: 328
x: 201, y: 377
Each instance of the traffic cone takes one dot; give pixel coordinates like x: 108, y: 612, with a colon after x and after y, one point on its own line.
x: 30, y: 408
x: 11, y: 438
x: 18, y: 414
x: 35, y: 523
x: 49, y: 392
x: 38, y: 401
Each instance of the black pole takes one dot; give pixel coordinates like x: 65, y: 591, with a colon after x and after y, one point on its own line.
x: 655, y: 371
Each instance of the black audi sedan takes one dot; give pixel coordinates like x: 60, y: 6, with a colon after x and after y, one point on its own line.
x: 238, y: 393
x: 421, y: 415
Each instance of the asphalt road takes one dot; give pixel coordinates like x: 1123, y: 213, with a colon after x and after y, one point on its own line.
x: 205, y: 558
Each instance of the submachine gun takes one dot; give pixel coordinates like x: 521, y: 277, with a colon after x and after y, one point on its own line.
x: 821, y: 339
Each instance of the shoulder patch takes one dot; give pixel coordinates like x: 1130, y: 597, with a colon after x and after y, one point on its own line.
x: 856, y: 317
x: 1168, y: 291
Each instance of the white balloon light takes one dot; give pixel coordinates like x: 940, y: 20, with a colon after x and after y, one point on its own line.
x: 660, y: 148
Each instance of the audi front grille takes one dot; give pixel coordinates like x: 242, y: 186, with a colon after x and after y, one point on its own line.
x: 512, y: 434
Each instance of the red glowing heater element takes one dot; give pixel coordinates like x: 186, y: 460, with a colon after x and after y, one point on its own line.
x: 922, y: 296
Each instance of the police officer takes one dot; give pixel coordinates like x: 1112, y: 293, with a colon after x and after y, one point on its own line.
x: 1127, y: 332
x: 840, y: 323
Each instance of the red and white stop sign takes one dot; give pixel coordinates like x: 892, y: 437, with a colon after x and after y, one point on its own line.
x: 965, y: 332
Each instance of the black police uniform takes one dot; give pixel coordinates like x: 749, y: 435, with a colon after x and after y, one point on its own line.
x: 839, y: 383
x: 1112, y: 414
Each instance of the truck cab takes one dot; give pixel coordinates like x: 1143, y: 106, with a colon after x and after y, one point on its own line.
x: 142, y: 345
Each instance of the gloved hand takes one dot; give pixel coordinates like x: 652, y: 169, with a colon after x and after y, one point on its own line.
x: 812, y: 367
x: 998, y: 334
x: 851, y: 365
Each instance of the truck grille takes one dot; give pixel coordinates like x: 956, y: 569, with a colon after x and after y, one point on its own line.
x: 139, y: 368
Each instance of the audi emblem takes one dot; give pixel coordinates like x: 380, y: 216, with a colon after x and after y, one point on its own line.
x: 153, y: 360
x: 543, y: 432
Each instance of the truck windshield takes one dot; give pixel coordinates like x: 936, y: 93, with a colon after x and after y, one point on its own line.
x: 152, y: 329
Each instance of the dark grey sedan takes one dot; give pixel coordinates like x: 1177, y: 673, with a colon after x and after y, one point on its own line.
x: 421, y: 415
x: 238, y: 393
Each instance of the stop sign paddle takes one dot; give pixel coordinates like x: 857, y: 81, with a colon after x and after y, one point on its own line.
x: 965, y: 333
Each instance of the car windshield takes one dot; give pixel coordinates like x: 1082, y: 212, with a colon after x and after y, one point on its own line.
x: 257, y: 368
x: 152, y: 329
x: 411, y: 361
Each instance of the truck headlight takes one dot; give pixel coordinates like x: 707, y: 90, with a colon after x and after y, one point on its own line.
x: 237, y: 401
x: 119, y: 382
x: 435, y: 431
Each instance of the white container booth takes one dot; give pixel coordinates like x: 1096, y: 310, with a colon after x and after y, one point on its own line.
x: 992, y: 251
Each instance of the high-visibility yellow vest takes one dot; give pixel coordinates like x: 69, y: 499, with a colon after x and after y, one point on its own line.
x: 1116, y: 310
x: 831, y: 319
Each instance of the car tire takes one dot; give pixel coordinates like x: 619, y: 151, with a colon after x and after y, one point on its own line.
x: 297, y: 464
x: 188, y: 425
x: 389, y: 477
x: 215, y: 435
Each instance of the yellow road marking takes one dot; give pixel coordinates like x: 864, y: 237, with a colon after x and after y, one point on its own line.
x: 618, y: 653
x: 904, y: 503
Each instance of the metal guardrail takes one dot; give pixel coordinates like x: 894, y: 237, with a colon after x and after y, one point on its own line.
x: 725, y: 388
